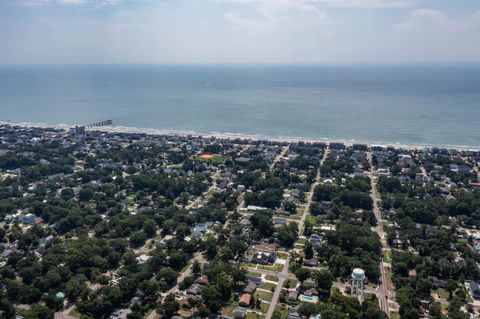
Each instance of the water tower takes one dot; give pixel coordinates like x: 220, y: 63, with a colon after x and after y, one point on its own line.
x: 358, y: 277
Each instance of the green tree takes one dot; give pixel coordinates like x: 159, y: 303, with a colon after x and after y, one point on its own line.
x: 224, y: 286
x: 150, y: 227
x: 302, y: 274
x: 212, y: 298
x: 169, y: 307
x: 75, y: 286
x: 307, y: 310
x: 138, y: 239
x: 196, y: 268
x: 308, y: 250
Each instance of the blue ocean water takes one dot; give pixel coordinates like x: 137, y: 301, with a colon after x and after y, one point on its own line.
x: 415, y: 104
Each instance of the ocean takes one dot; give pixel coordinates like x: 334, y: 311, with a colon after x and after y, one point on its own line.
x: 410, y: 105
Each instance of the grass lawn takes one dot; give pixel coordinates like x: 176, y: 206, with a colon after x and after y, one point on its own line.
x: 249, y: 264
x: 282, y: 310
x: 387, y: 256
x: 275, y: 267
x: 266, y: 296
x: 271, y: 278
x: 282, y: 255
x: 298, y: 214
x: 301, y: 241
x: 442, y: 293
x: 216, y: 159
x: 388, y: 275
x: 469, y: 297
x: 265, y: 307
x: 311, y: 219
x: 268, y: 286
x: 228, y: 310
x: 292, y: 283
x: 255, y: 274
x: 252, y: 315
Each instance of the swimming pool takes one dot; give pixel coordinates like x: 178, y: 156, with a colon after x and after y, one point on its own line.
x: 310, y: 299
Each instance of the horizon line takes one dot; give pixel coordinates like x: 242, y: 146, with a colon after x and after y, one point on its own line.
x: 338, y: 64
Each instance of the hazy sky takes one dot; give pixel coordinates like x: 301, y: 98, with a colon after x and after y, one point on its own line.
x: 239, y: 31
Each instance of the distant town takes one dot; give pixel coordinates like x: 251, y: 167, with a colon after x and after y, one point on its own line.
x: 101, y: 224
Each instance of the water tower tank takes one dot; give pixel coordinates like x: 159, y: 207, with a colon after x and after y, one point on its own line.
x: 358, y: 274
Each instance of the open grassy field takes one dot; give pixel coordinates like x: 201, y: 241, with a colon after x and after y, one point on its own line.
x: 266, y: 296
x: 252, y: 315
x: 274, y: 267
x: 271, y: 278
x: 301, y: 241
x: 282, y: 255
x: 282, y: 310
x: 227, y: 311
x: 213, y: 158
x: 268, y: 286
x: 442, y: 293
x: 290, y: 283
x: 387, y: 256
x: 255, y: 274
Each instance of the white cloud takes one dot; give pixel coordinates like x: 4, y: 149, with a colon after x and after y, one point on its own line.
x: 65, y: 2
x: 429, y: 19
x: 272, y: 9
x: 237, y: 19
x: 433, y: 35
x: 312, y: 5
x: 372, y: 4
x: 274, y: 14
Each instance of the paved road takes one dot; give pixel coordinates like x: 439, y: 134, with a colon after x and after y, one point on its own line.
x: 199, y: 257
x: 279, y: 156
x: 281, y: 278
x: 279, y: 274
x: 201, y: 198
x: 301, y: 225
x: 284, y: 273
x: 384, y: 292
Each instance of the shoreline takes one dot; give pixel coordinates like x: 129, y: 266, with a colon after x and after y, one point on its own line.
x: 254, y: 137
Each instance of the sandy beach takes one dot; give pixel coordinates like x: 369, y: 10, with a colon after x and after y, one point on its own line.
x: 224, y: 135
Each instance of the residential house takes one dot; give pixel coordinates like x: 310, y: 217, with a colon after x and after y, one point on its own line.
x: 245, y: 300
x: 239, y: 313
x: 257, y: 280
x: 293, y: 295
x: 313, y: 262
x: 474, y: 289
x: 264, y: 258
x: 250, y: 288
x: 195, y: 290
